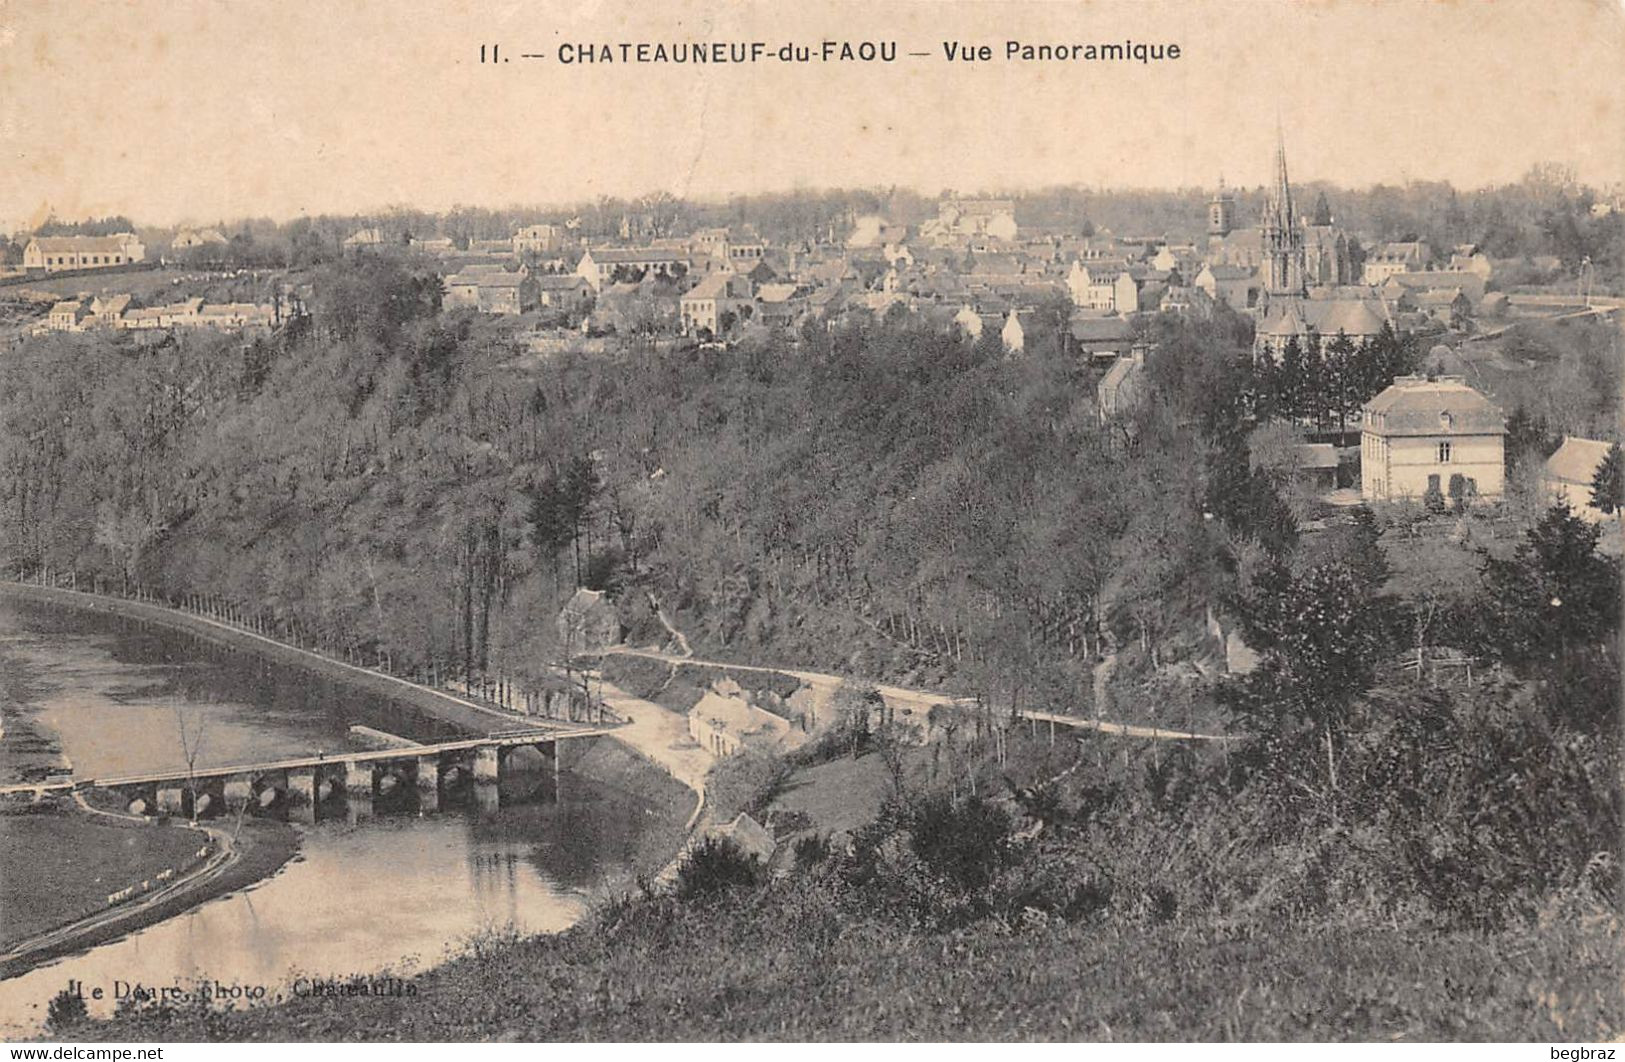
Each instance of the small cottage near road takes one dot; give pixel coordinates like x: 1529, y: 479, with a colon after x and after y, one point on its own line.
x: 588, y: 623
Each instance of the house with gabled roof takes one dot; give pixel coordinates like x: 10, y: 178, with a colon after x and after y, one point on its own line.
x: 1100, y: 337
x: 780, y: 305
x: 108, y: 309
x: 725, y: 723
x: 491, y: 290
x: 1469, y: 284
x: 1238, y: 286
x: 567, y: 291
x: 1568, y: 474
x: 187, y: 239
x: 749, y: 836
x: 1388, y: 259
x: 1014, y: 332
x: 1422, y: 436
x: 538, y: 239
x: 1093, y: 285
x: 588, y: 623
x: 235, y: 316
x: 713, y: 302
x: 66, y: 316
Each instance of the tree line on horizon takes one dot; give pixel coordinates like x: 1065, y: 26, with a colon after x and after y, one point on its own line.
x: 1547, y: 212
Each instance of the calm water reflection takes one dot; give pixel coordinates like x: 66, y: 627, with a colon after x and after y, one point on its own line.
x: 394, y: 893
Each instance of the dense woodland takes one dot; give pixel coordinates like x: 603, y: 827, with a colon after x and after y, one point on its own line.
x: 376, y: 475
x: 876, y: 497
x: 895, y: 502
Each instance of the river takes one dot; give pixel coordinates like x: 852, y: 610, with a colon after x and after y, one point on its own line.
x: 391, y: 894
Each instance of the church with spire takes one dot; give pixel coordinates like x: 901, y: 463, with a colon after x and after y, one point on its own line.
x: 1304, y: 267
x: 1281, y: 236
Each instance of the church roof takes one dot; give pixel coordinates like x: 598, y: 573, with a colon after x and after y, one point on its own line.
x: 1328, y: 317
x: 1284, y: 319
x: 1248, y: 239
x: 1352, y: 317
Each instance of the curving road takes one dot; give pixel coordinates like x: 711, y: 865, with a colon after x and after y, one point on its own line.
x: 898, y: 696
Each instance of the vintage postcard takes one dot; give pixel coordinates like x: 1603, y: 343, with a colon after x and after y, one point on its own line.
x: 819, y: 521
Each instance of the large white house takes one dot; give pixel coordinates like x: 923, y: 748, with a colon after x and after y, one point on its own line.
x: 598, y: 265
x: 54, y: 254
x: 1420, y: 435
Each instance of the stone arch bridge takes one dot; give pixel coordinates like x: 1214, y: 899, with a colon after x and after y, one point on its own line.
x: 308, y: 788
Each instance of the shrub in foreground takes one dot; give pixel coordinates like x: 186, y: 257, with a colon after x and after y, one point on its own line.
x: 715, y: 866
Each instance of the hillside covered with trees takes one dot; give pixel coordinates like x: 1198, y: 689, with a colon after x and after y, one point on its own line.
x: 888, y: 501
x: 378, y: 477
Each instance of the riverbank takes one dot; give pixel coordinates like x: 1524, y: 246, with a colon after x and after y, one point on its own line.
x: 667, y: 800
x: 47, y: 882
x: 258, y: 850
x: 662, y: 803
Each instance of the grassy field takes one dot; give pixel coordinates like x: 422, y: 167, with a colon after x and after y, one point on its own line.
x: 779, y: 964
x: 263, y: 846
x: 59, y: 866
x: 836, y: 797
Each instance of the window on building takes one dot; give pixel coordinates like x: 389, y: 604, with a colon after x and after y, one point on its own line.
x: 1444, y: 453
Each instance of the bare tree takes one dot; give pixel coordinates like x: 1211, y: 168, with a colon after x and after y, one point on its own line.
x: 192, y: 727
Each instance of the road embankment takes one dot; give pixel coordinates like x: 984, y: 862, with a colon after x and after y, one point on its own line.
x: 446, y: 707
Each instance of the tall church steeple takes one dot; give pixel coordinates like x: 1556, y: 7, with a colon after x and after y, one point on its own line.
x: 1282, y: 236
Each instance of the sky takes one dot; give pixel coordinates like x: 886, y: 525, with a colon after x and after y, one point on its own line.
x: 176, y: 111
